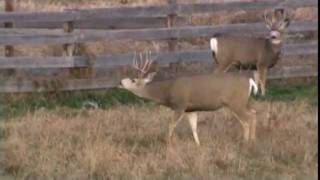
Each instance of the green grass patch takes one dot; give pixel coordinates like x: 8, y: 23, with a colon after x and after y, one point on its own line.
x: 17, y: 105
x: 291, y: 92
x: 13, y: 105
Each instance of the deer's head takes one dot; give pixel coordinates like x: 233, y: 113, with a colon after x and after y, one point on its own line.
x: 277, y: 22
x: 142, y: 66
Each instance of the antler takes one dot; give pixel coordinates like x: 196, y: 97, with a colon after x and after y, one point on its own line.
x: 278, y: 15
x: 142, y: 65
x: 287, y: 13
x: 267, y: 19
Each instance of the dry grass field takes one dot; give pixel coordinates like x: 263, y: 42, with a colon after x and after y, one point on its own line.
x: 128, y: 142
x: 55, y: 138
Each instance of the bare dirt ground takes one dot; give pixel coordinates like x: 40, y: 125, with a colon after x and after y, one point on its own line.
x: 129, y: 142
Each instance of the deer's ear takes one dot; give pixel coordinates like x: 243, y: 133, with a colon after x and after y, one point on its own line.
x: 150, y: 77
x: 268, y: 26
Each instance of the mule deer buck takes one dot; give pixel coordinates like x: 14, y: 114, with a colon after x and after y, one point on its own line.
x: 255, y: 53
x: 188, y: 95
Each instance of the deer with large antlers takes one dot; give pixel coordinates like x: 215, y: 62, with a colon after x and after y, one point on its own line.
x: 255, y: 53
x: 188, y: 95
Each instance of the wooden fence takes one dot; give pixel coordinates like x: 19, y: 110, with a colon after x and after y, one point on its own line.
x: 167, y: 22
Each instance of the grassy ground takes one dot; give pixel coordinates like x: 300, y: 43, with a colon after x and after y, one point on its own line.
x: 13, y: 105
x: 55, y: 136
x: 128, y: 142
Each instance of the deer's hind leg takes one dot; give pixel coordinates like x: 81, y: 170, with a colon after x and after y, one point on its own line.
x: 193, y: 120
x: 178, y: 115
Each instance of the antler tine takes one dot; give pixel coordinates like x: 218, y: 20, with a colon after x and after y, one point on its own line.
x: 144, y: 63
x: 266, y: 18
x: 151, y: 60
x: 280, y: 13
x: 288, y: 13
x: 136, y: 64
x: 148, y: 62
x: 141, y: 61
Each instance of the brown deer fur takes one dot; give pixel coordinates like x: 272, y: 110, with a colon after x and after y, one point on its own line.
x: 187, y: 95
x: 251, y: 52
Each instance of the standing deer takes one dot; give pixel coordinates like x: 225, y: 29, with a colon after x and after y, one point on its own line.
x: 187, y: 95
x: 256, y: 53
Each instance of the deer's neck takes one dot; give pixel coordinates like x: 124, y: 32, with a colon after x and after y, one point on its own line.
x: 275, y: 45
x: 276, y: 51
x: 157, y: 92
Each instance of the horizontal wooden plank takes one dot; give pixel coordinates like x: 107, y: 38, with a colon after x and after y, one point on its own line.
x: 70, y: 85
x: 293, y: 72
x: 110, y: 61
x: 103, y: 83
x: 198, y: 8
x: 41, y: 36
x: 151, y: 11
x: 106, y: 23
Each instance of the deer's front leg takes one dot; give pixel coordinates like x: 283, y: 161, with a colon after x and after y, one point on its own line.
x: 193, y: 120
x: 263, y: 78
x: 222, y: 67
x: 253, y: 124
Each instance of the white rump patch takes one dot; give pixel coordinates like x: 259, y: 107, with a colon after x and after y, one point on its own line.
x: 253, y: 85
x: 214, y: 45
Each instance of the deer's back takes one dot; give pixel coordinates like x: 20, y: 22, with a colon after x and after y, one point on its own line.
x: 242, y: 49
x: 208, y: 92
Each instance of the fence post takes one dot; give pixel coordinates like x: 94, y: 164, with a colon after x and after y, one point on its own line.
x: 68, y: 48
x: 170, y: 23
x: 9, y: 7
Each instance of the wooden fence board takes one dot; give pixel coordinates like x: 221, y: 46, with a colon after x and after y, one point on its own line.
x: 110, y: 61
x: 106, y: 23
x: 74, y: 84
x: 104, y: 83
x: 152, y: 11
x: 41, y: 36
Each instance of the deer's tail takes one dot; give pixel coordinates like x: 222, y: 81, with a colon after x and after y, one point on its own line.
x: 214, y: 48
x: 253, y: 87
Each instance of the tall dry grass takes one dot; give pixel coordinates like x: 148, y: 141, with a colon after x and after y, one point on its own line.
x: 128, y: 142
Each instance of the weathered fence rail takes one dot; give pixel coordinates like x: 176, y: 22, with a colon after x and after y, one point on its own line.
x: 152, y: 11
x: 108, y: 82
x: 141, y: 24
x: 43, y: 36
x: 111, y: 61
x: 104, y: 23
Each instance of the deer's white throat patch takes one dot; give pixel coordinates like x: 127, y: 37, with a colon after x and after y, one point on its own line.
x: 275, y: 35
x: 214, y: 45
x: 276, y: 41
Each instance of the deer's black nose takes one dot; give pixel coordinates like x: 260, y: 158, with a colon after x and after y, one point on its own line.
x: 273, y: 37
